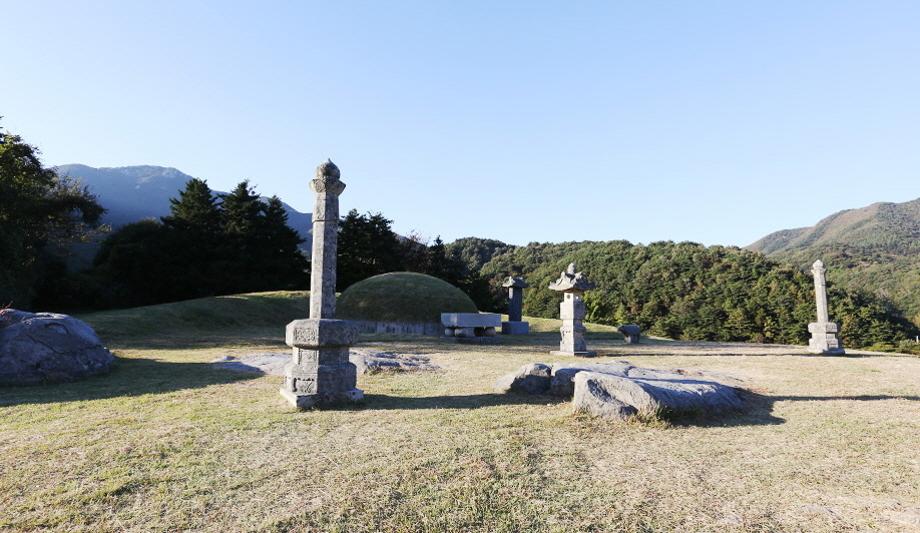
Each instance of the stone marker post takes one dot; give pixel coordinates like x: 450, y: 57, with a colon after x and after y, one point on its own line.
x: 319, y: 373
x: 514, y: 325
x: 572, y: 312
x: 823, y: 332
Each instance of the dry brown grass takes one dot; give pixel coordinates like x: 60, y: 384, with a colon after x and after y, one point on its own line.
x: 167, y: 442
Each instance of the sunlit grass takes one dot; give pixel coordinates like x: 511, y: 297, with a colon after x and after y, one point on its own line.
x: 168, y: 442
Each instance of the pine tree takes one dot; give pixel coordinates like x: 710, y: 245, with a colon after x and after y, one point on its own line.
x: 281, y: 263
x: 196, y: 208
x: 241, y: 210
x: 195, y: 239
x: 438, y: 263
x: 367, y: 247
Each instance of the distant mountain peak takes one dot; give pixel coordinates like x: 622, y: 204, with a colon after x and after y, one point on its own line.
x: 874, y: 248
x: 885, y: 226
x: 137, y: 192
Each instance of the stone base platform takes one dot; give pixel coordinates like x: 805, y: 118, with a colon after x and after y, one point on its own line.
x: 823, y: 339
x: 308, y: 401
x: 510, y: 327
x: 320, y: 373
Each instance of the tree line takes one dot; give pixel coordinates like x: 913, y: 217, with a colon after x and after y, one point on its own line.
x: 213, y: 244
x: 690, y: 291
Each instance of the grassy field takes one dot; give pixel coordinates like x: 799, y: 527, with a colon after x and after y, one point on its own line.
x: 168, y: 442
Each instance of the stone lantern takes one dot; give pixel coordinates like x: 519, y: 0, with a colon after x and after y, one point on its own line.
x: 572, y: 285
x: 514, y: 325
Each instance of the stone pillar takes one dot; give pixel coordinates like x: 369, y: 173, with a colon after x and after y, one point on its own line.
x: 823, y: 332
x: 320, y: 373
x: 514, y: 325
x: 572, y: 312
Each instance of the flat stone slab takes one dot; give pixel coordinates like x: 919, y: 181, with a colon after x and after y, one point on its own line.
x: 369, y: 362
x: 366, y: 361
x: 471, y: 320
x: 619, y: 390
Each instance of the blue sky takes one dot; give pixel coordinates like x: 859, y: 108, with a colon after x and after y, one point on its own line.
x: 716, y: 122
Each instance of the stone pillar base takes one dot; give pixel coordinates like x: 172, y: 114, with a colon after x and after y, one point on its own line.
x: 309, y: 401
x: 320, y: 374
x: 824, y: 339
x: 511, y: 327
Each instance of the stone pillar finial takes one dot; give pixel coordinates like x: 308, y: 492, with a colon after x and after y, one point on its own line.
x: 572, y: 312
x: 320, y: 373
x: 823, y: 332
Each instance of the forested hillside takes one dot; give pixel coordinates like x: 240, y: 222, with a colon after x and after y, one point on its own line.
x: 688, y: 291
x: 875, y: 248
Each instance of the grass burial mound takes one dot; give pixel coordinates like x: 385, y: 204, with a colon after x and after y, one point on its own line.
x: 402, y: 303
x: 167, y: 441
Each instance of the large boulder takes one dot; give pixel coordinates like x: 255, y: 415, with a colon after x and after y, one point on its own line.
x: 563, y: 384
x: 619, y: 390
x: 631, y: 333
x: 529, y: 379
x: 655, y: 394
x: 48, y: 347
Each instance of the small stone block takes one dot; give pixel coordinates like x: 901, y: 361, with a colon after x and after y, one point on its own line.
x: 515, y: 328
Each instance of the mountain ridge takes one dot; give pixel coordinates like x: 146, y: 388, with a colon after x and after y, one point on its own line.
x: 137, y: 192
x: 888, y: 226
x: 874, y: 248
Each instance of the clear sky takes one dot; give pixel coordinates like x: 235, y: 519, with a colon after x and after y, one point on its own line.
x: 716, y: 122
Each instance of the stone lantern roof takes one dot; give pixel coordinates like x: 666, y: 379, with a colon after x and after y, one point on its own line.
x: 571, y: 281
x: 515, y: 281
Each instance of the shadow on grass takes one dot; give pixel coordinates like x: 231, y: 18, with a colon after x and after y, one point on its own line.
x: 206, y: 339
x: 385, y: 402
x: 128, y: 377
x: 758, y: 410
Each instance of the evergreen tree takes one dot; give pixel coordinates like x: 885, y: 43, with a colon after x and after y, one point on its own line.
x: 367, y: 247
x: 413, y: 252
x: 281, y: 263
x: 194, y: 227
x: 241, y: 210
x: 195, y: 208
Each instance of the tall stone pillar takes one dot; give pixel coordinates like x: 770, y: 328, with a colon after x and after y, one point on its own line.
x: 319, y: 373
x: 823, y: 332
x: 572, y: 312
x: 514, y: 325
